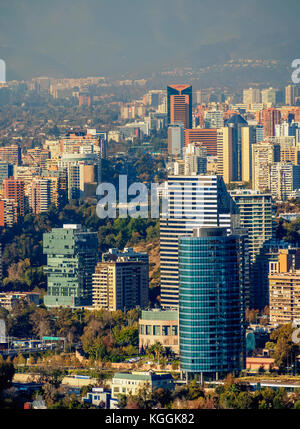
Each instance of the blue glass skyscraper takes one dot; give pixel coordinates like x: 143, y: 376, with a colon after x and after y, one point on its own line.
x: 211, y: 308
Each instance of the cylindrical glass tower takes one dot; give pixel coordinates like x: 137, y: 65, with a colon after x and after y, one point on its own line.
x: 210, y: 308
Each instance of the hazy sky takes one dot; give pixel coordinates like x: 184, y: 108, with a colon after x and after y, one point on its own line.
x: 95, y: 37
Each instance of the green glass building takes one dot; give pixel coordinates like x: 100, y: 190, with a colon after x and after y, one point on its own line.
x: 211, y: 308
x: 71, y: 258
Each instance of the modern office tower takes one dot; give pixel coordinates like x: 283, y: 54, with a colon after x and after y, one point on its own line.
x: 284, y: 288
x: 83, y: 170
x: 11, y: 154
x: 13, y: 189
x: 226, y: 154
x: 251, y: 96
x: 71, y: 259
x: 290, y: 92
x: 192, y: 202
x: 6, y: 171
x: 40, y: 196
x: 269, y: 118
x: 195, y: 159
x: 248, y: 138
x: 236, y: 123
x: 175, y: 139
x: 214, y: 119
x: 211, y: 317
x: 121, y: 284
x: 264, y: 154
x: 260, y: 133
x: 285, y: 178
x: 268, y: 96
x: 179, y: 104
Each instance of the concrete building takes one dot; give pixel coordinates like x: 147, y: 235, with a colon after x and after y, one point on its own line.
x: 13, y: 189
x: 40, y: 196
x: 255, y: 211
x: 264, y: 154
x: 248, y: 139
x: 175, y: 139
x: 131, y: 383
x: 284, y: 288
x: 159, y: 325
x: 214, y: 119
x: 11, y: 154
x: 285, y: 178
x: 121, y: 284
x: 225, y: 154
x: 268, y: 96
x: 6, y: 171
x: 251, y: 96
x: 290, y: 93
x: 269, y: 118
x: 71, y: 258
x: 207, y: 136
x: 195, y: 159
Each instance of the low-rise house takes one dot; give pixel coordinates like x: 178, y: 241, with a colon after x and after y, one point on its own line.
x: 130, y: 383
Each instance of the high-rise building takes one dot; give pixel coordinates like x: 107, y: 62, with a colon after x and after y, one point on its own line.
x: 11, y: 154
x: 195, y: 159
x: 284, y: 288
x: 260, y: 133
x: 211, y: 316
x: 264, y: 154
x: 268, y: 96
x: 6, y: 171
x: 290, y: 92
x: 8, y: 212
x: 269, y: 118
x: 248, y: 139
x: 251, y: 96
x: 13, y: 189
x: 207, y: 136
x: 289, y: 153
x: 121, y: 284
x: 179, y: 104
x: 71, y: 259
x: 192, y: 202
x: 226, y: 154
x: 175, y: 139
x: 236, y: 123
x: 260, y: 271
x: 40, y: 196
x: 214, y: 119
x: 83, y: 170
x: 285, y: 178
x: 255, y: 210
